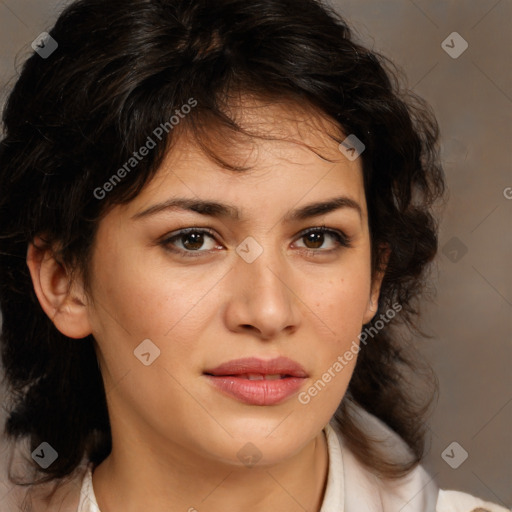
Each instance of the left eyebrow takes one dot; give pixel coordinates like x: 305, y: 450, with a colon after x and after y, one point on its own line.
x: 322, y: 208
x: 216, y: 209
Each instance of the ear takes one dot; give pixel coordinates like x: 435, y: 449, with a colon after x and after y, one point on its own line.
x: 373, y: 301
x: 62, y: 299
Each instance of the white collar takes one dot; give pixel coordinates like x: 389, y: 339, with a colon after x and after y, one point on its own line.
x: 362, y: 490
x: 334, y: 496
x: 88, y: 501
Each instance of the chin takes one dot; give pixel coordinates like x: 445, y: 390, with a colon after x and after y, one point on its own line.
x: 255, y: 448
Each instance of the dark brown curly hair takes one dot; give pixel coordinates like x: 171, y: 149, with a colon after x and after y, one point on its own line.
x: 122, y: 68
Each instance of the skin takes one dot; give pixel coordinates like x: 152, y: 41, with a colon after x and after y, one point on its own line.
x: 175, y: 437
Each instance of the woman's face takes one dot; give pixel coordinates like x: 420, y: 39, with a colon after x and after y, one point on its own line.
x: 253, y: 286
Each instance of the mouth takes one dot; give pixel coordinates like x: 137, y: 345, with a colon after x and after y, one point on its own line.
x: 255, y: 381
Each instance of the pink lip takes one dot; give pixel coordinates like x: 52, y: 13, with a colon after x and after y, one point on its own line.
x: 227, y: 379
x: 282, y: 365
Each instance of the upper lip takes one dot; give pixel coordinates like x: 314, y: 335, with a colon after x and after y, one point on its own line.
x: 277, y: 366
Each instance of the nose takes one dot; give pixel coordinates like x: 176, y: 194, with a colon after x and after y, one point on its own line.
x: 262, y: 298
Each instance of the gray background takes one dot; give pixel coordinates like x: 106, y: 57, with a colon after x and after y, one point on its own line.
x: 470, y: 318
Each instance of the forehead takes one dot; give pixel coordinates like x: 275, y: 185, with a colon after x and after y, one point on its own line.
x: 290, y: 152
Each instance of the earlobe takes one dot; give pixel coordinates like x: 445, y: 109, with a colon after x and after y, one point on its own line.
x: 60, y: 298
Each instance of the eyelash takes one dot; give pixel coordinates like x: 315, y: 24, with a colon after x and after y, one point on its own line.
x: 342, y: 240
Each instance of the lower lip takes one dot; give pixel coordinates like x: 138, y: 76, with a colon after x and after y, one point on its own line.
x: 257, y: 392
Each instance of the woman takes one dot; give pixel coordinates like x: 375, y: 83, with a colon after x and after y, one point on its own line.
x: 214, y: 216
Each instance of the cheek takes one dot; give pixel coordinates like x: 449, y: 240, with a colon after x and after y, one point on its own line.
x: 343, y: 300
x: 141, y: 301
x: 341, y: 308
x: 145, y: 300
x: 340, y: 305
x: 137, y: 302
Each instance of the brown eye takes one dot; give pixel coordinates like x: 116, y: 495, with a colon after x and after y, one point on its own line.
x: 316, y: 237
x: 192, y: 241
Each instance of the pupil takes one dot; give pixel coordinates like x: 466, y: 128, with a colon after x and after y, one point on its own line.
x: 197, y: 238
x: 318, y: 241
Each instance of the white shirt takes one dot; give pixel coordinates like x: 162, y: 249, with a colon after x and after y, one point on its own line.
x: 353, y: 488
